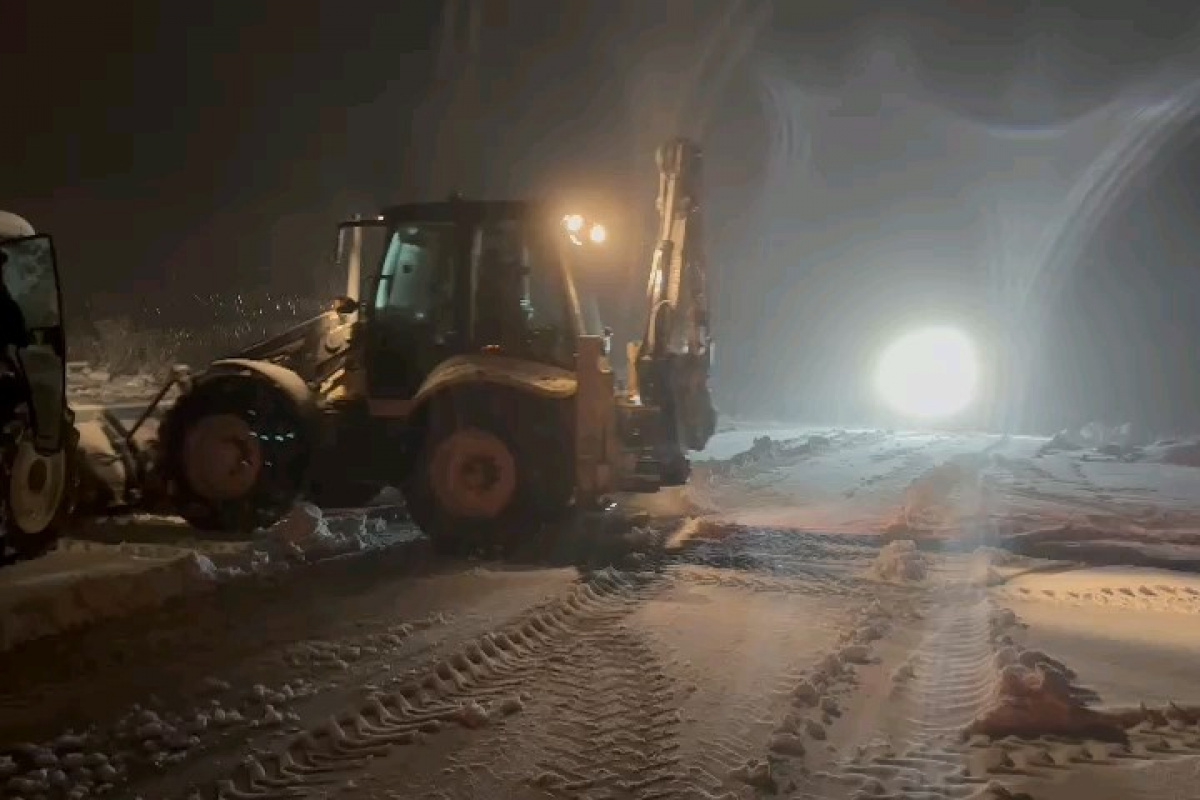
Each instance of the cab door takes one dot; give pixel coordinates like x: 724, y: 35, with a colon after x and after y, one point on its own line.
x: 34, y: 303
x: 412, y: 307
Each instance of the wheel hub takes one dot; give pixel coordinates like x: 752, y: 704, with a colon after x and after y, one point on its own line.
x: 474, y: 474
x: 37, y: 486
x: 222, y: 457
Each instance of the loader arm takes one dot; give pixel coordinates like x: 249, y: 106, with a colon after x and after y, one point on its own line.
x: 316, y: 349
x: 669, y: 367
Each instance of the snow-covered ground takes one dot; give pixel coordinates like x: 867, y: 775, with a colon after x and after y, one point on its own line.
x: 1015, y: 491
x: 820, y: 614
x: 88, y: 384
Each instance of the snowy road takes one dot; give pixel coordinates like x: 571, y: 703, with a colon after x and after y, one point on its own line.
x: 767, y: 640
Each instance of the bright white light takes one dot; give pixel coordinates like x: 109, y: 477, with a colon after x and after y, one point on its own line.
x: 598, y: 234
x: 929, y: 373
x: 573, y: 223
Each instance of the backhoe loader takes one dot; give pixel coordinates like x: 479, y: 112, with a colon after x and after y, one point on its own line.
x: 457, y: 367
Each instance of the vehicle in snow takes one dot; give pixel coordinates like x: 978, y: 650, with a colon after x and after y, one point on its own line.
x: 458, y: 368
x: 37, y: 434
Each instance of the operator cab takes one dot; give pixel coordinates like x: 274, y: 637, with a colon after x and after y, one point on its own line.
x: 461, y: 277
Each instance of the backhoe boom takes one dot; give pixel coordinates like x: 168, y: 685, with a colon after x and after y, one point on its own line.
x: 669, y: 367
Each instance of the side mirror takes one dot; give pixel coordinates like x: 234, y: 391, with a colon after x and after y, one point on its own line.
x: 345, y: 305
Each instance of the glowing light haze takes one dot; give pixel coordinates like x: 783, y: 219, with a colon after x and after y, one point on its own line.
x: 929, y: 374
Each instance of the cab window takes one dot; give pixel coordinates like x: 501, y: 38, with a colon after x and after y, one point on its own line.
x: 416, y: 279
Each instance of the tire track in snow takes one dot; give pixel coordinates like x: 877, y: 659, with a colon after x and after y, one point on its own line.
x: 483, y: 682
x: 764, y: 645
x: 787, y: 608
x: 601, y: 720
x: 638, y: 712
x: 1136, y: 594
x: 954, y: 676
x: 772, y: 560
x: 908, y: 745
x: 618, y: 733
x: 953, y: 666
x: 817, y: 583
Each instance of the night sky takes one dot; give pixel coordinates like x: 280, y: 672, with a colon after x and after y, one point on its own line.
x: 177, y: 148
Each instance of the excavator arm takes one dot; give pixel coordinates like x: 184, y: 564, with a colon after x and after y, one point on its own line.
x: 669, y: 367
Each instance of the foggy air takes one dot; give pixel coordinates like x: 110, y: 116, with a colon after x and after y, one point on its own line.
x: 675, y: 398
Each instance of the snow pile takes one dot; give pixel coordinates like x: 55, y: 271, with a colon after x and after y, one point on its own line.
x: 300, y: 534
x: 1097, y: 435
x: 1035, y: 696
x: 103, y: 596
x: 1175, y: 452
x: 927, y: 499
x: 1062, y: 442
x: 307, y: 534
x: 1113, y: 439
x: 1123, y: 445
x: 900, y: 561
x: 765, y: 452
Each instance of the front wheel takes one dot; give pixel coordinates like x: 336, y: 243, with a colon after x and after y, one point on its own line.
x: 236, y: 452
x: 39, y: 492
x: 493, y: 468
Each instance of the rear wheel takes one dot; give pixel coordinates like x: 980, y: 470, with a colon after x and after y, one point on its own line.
x: 493, y: 468
x: 38, y: 492
x: 236, y: 452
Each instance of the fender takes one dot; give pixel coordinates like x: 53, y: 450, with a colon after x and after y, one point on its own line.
x: 292, y: 385
x: 282, y: 377
x: 543, y: 380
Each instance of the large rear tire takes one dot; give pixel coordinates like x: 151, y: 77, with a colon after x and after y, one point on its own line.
x: 236, y: 452
x: 494, y: 466
x: 38, y: 492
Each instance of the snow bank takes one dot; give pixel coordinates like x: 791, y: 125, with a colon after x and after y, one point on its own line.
x: 1114, y: 440
x: 56, y: 603
x: 87, y: 582
x: 1095, y: 435
x: 1175, y: 453
x: 307, y: 534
